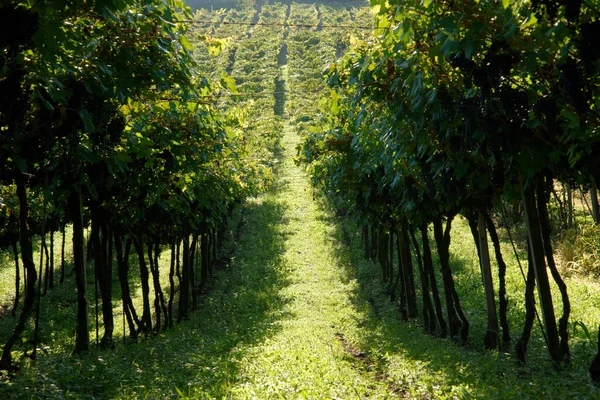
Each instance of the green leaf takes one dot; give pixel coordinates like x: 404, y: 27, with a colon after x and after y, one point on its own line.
x: 449, y: 24
x: 450, y: 46
x: 20, y: 163
x: 86, y: 118
x: 85, y: 153
x: 123, y: 158
x: 512, y: 30
x: 229, y: 82
x: 531, y: 20
x: 334, y: 103
x: 186, y: 44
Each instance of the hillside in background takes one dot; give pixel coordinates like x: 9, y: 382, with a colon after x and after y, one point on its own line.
x: 196, y: 4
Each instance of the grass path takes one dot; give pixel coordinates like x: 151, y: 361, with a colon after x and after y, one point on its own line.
x: 307, y: 356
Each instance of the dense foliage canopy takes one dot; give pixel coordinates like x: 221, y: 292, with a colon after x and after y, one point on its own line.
x: 105, y: 119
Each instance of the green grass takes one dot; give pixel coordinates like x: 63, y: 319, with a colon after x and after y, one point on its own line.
x: 439, y: 368
x: 199, y: 353
x: 304, y: 358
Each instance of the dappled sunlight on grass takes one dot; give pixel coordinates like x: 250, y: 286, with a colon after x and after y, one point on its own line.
x: 431, y: 367
x: 200, y: 355
x: 303, y: 357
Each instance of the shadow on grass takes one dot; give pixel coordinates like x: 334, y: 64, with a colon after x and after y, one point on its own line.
x: 200, y: 356
x: 8, y: 271
x: 431, y: 367
x: 61, y: 307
